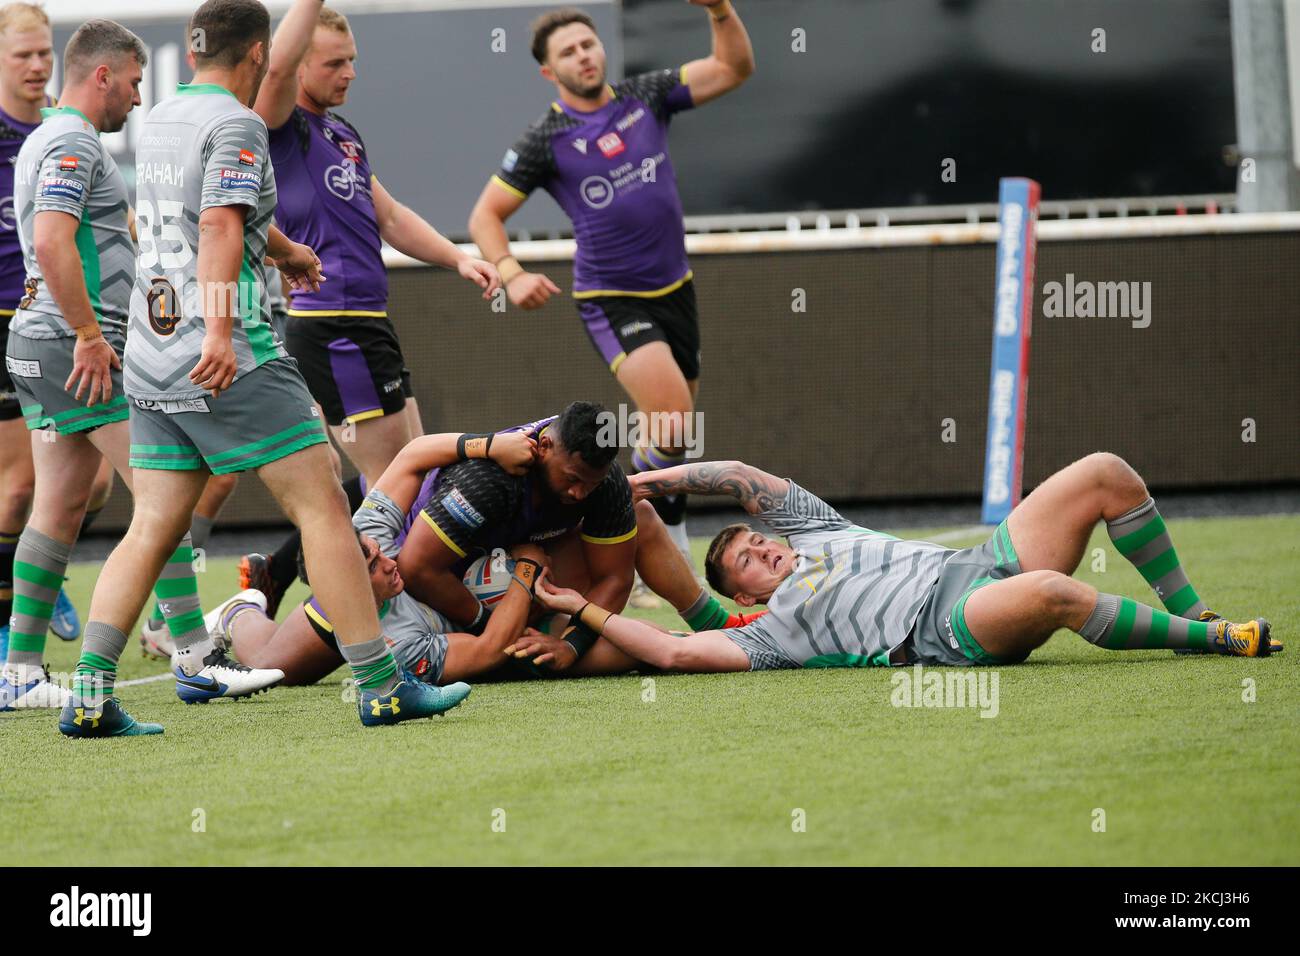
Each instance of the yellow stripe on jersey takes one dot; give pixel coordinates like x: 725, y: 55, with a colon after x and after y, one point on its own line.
x: 316, y: 616
x: 508, y: 188
x: 618, y: 540
x: 335, y: 313
x: 653, y: 294
x: 442, y: 534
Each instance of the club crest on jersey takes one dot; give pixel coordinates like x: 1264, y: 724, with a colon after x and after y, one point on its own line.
x: 68, y: 163
x: 247, y: 157
x: 163, y: 306
x: 350, y: 149
x: 611, y: 144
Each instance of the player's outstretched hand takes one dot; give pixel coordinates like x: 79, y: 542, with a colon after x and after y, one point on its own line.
x: 530, y: 290
x: 217, y: 365
x: 562, y: 600
x: 301, y: 268
x: 93, y: 361
x: 515, y: 452
x: 482, y: 274
x: 546, y: 651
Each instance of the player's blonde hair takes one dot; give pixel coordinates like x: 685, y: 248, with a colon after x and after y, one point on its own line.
x: 331, y: 19
x: 22, y: 16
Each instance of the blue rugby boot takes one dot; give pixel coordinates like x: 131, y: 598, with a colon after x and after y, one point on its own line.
x: 80, y: 719
x: 410, y: 700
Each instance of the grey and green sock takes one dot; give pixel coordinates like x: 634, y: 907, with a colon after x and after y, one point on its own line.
x: 200, y: 532
x: 101, y: 647
x: 1122, y: 624
x: 1141, y: 536
x: 706, y: 614
x: 39, y: 566
x: 373, y: 666
x: 178, y: 595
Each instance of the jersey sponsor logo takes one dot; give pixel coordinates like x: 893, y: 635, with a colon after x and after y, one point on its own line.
x: 23, y: 368
x: 952, y: 638
x: 422, y: 668
x: 163, y: 306
x: 173, y: 406
x: 546, y: 535
x: 240, y: 179
x: 394, y: 385
x: 341, y: 179
x: 57, y: 187
x: 611, y: 144
x: 630, y: 119
x: 510, y: 161
x: 68, y: 163
x: 580, y: 144
x: 247, y: 157
x: 596, y: 192
x: 459, y: 508
x: 632, y: 328
x: 8, y: 218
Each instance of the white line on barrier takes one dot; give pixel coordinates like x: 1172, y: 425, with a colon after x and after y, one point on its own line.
x: 876, y: 237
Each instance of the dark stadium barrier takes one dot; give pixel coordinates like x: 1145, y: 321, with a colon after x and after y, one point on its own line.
x: 850, y: 397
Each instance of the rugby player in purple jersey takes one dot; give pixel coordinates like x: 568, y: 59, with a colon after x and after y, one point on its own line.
x: 330, y: 199
x: 601, y: 150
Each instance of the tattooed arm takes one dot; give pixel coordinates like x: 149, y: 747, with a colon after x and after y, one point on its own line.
x: 757, y: 491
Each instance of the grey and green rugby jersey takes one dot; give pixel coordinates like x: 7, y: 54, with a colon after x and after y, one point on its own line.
x: 198, y: 149
x: 63, y: 166
x: 852, y: 597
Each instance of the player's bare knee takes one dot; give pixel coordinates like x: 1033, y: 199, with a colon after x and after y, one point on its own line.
x: 16, y: 493
x: 1058, y: 595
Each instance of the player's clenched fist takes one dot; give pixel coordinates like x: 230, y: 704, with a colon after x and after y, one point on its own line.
x: 530, y: 290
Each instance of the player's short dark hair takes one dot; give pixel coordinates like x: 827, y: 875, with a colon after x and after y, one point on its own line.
x: 97, y: 42
x: 713, y: 570
x: 221, y: 32
x: 302, y: 557
x: 579, y: 428
x: 548, y: 23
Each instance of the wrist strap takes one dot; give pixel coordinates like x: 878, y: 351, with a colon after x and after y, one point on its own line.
x: 509, y: 268
x: 579, y: 637
x: 525, y: 574
x: 594, y: 617
x: 472, y: 445
x: 88, y: 333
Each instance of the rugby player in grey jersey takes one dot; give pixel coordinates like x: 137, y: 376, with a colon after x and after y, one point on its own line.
x: 844, y: 596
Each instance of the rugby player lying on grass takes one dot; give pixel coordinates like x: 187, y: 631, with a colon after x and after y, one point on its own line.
x: 843, y: 596
x: 426, y: 642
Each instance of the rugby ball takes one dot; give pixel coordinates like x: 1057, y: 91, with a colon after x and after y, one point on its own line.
x: 488, y: 577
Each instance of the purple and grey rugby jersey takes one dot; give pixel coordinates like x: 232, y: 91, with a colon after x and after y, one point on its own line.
x: 325, y: 200
x: 12, y: 270
x: 610, y: 172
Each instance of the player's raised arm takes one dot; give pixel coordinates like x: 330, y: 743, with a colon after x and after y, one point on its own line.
x: 756, y: 490
x: 407, y: 232
x: 513, y: 451
x: 279, y: 92
x: 729, y: 64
